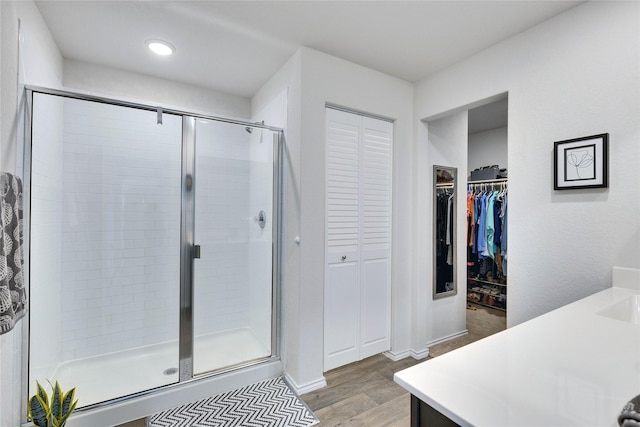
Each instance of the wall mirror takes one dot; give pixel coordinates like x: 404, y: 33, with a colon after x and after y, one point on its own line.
x: 444, y: 231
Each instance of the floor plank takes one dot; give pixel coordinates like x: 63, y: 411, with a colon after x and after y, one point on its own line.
x: 335, y: 414
x: 386, y: 414
x: 370, y: 379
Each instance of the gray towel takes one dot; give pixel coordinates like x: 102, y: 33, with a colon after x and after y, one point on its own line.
x: 630, y: 416
x: 13, y: 297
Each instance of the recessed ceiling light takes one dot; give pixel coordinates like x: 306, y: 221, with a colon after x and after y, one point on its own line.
x: 160, y: 47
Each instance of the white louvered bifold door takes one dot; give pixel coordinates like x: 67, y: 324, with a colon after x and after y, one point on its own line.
x: 375, y: 244
x: 342, y: 257
x: 358, y: 237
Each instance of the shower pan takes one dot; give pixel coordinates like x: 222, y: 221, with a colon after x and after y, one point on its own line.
x: 152, y: 245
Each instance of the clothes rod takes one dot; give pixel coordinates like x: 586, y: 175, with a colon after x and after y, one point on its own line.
x: 488, y: 181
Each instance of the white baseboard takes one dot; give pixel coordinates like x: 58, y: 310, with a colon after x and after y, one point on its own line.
x: 397, y: 356
x: 305, y: 388
x: 447, y: 338
x: 419, y: 355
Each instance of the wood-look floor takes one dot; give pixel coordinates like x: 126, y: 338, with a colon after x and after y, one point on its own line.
x: 364, y: 394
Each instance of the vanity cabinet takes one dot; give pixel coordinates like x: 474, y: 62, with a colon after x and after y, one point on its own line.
x: 423, y: 415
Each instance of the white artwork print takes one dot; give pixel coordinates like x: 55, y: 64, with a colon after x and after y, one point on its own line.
x: 580, y: 163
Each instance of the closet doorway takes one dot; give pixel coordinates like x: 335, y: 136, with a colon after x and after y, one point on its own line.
x: 487, y: 214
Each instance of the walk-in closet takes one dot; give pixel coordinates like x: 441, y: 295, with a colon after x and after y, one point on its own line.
x: 487, y: 217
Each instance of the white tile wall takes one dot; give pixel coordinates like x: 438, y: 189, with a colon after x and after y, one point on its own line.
x: 233, y: 182
x: 222, y: 287
x: 120, y: 228
x: 113, y: 265
x: 261, y: 198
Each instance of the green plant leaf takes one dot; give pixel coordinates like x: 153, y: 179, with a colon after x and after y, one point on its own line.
x: 38, y: 411
x: 68, y: 404
x: 66, y: 416
x: 40, y: 391
x: 58, y: 412
x: 56, y: 401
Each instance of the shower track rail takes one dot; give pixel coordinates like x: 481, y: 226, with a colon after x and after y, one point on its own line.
x: 112, y: 101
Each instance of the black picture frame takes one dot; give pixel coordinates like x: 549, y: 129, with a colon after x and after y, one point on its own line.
x: 581, y: 162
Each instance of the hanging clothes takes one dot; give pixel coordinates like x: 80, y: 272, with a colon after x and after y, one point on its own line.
x: 450, y: 222
x: 470, y: 213
x: 503, y: 243
x: 482, y: 228
x: 486, y: 222
x: 444, y: 237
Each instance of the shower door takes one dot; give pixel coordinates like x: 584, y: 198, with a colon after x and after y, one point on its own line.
x: 233, y: 244
x: 104, y: 230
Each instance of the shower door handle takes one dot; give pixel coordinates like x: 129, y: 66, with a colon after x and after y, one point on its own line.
x: 196, y: 251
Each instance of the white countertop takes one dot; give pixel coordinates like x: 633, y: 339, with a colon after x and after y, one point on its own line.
x: 569, y: 367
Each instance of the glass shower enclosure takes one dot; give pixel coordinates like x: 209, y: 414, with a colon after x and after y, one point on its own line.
x: 152, y: 245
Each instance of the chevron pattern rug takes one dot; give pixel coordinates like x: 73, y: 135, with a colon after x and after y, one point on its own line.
x: 268, y: 403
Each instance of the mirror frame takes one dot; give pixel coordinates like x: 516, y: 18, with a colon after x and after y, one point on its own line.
x: 454, y: 291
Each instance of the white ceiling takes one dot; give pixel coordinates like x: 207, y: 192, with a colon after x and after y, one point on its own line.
x: 235, y: 46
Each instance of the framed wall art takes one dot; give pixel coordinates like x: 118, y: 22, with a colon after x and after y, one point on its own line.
x: 581, y: 162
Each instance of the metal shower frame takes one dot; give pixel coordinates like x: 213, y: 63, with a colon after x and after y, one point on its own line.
x: 187, y: 244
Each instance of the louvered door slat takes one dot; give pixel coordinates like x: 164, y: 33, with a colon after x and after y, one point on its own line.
x: 343, y: 180
x: 376, y: 182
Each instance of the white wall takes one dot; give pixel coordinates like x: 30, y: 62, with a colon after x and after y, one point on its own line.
x: 314, y: 79
x: 568, y: 77
x: 134, y: 87
x: 488, y: 148
x: 328, y: 79
x: 279, y: 102
x: 443, y: 143
x: 41, y: 64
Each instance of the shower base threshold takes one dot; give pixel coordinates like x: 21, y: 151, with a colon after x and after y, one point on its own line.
x: 113, y: 375
x: 223, y: 349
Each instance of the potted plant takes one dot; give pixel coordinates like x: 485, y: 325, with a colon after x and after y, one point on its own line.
x: 54, y: 413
